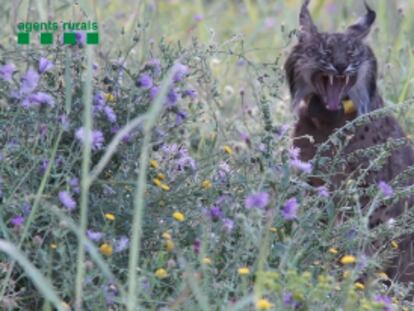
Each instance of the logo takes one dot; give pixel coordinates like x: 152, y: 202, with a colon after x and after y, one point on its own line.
x: 47, y: 32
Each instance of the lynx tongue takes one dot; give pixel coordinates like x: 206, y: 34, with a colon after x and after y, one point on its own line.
x: 334, y: 92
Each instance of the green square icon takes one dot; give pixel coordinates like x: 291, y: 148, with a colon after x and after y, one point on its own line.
x: 92, y: 38
x: 69, y: 38
x: 46, y: 38
x: 23, y: 38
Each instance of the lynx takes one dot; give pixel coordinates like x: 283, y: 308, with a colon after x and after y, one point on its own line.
x: 325, y: 70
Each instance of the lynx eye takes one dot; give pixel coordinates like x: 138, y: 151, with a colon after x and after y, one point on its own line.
x: 326, y: 52
x: 352, y: 53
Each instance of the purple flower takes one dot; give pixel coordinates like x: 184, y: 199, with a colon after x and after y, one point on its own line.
x: 245, y: 137
x: 190, y: 93
x: 296, y: 162
x: 39, y: 98
x: 289, y: 301
x: 294, y: 153
x: 43, y: 130
x: 186, y: 162
x: 385, y: 188
x: 99, y: 102
x: 290, y: 209
x: 44, y: 165
x: 74, y: 185
x: 121, y: 244
x: 196, y: 246
x: 97, y: 138
x: 6, y: 72
x: 107, y: 190
x: 64, y: 121
x: 172, y: 97
x: 154, y: 65
x: 126, y: 138
x: 282, y: 130
x: 45, y: 65
x: 223, y: 170
x: 180, y: 117
x: 17, y: 220
x: 144, y: 81
x: 29, y: 81
x: 198, y: 17
x: 26, y: 208
x: 263, y: 147
x: 287, y: 298
x: 67, y: 201
x: 110, y: 114
x: 257, y: 200
x: 94, y: 235
x: 153, y: 92
x: 323, y: 192
x: 303, y: 166
x: 179, y: 72
x: 110, y: 293
x: 386, y: 301
x: 215, y: 213
x: 228, y: 225
x: 80, y: 37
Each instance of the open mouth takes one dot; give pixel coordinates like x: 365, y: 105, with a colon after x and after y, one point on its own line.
x: 333, y: 89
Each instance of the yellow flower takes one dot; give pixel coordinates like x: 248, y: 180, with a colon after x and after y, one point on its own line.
x: 160, y: 176
x: 227, y: 149
x: 161, y: 185
x: 348, y: 259
x: 110, y: 216
x: 106, y: 249
x: 53, y: 246
x: 161, y: 273
x: 109, y: 97
x: 244, y: 271
x: 154, y: 164
x: 164, y: 187
x: 206, y: 184
x: 273, y: 229
x: 178, y: 216
x: 167, y: 236
x: 169, y: 245
x: 394, y: 244
x: 349, y: 106
x: 359, y: 285
x: 207, y: 261
x: 263, y: 304
x: 383, y: 275
x: 156, y: 182
x: 333, y: 251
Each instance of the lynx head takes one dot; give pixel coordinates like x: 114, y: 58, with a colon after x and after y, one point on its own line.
x: 333, y: 66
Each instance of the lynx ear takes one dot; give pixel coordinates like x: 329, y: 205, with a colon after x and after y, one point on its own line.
x: 362, y: 27
x: 307, y: 27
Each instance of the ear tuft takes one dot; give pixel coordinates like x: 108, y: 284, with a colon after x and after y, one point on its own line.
x: 307, y: 27
x: 363, y: 26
